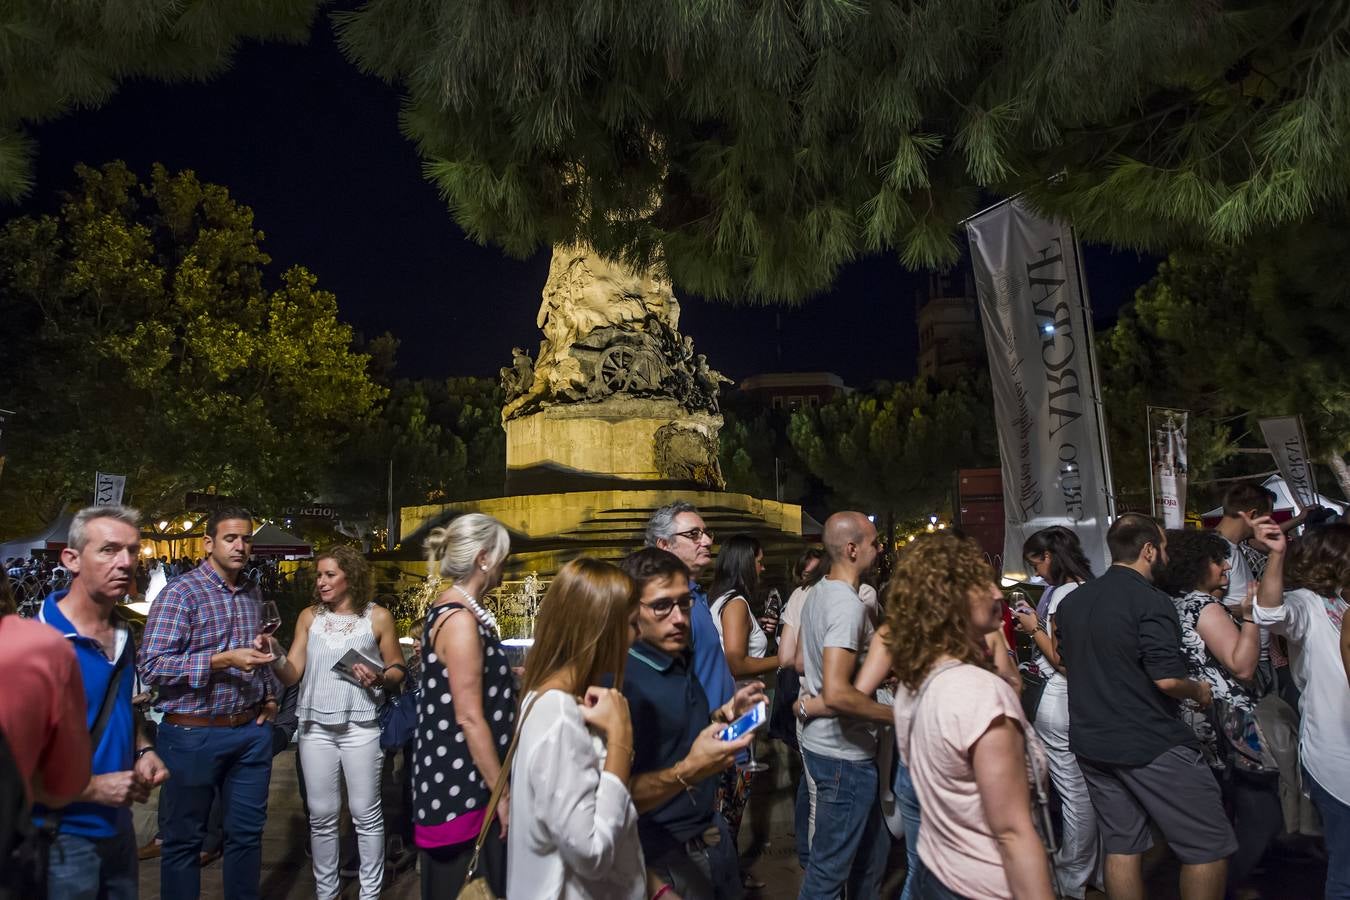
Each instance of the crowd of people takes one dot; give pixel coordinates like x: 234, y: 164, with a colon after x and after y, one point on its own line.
x: 1197, y: 688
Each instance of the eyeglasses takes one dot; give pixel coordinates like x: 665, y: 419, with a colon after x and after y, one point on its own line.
x: 663, y: 607
x: 695, y: 534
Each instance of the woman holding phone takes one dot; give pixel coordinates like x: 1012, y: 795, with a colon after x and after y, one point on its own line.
x: 338, y: 713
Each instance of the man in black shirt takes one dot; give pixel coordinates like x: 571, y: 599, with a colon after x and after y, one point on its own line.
x: 1120, y: 641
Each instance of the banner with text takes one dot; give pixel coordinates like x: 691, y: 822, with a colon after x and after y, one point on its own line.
x: 1038, y: 331
x: 1167, y: 462
x: 108, y: 489
x: 1289, y: 446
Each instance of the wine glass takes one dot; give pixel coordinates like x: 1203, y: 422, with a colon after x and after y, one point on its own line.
x: 754, y: 765
x: 269, y: 618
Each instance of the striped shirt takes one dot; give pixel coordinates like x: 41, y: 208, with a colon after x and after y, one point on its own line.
x: 196, y: 616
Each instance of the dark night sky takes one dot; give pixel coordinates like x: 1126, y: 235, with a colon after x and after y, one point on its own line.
x: 313, y: 146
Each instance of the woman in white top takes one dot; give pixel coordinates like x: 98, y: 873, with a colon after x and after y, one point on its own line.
x: 574, y: 827
x: 735, y: 580
x: 1056, y: 555
x: 338, y: 714
x: 1309, y: 616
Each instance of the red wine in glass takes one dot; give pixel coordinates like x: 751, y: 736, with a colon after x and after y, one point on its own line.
x: 269, y: 619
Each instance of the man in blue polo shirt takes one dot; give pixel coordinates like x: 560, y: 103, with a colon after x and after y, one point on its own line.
x: 678, y: 528
x: 677, y: 756
x: 95, y: 850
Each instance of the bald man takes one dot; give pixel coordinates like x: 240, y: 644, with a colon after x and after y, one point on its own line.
x: 848, y: 838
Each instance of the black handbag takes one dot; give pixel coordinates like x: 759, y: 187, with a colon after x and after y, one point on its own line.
x: 782, y: 719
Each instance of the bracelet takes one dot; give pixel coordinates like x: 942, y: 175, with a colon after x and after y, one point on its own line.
x: 144, y: 750
x: 631, y: 754
x: 661, y: 893
x: 801, y: 709
x: 680, y: 778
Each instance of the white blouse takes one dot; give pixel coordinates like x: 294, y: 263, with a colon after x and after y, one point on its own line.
x: 757, y: 642
x: 1315, y: 662
x: 573, y: 827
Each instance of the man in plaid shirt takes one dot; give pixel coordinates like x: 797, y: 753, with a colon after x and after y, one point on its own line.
x: 218, y: 698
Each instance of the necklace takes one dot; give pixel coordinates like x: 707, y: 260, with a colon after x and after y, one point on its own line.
x: 483, y: 615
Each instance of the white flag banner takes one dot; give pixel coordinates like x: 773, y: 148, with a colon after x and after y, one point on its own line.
x: 108, y: 489
x: 1167, y: 461
x: 1038, y: 331
x: 1289, y: 446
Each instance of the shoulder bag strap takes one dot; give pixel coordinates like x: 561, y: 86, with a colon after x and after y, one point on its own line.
x: 110, y: 694
x: 503, y: 779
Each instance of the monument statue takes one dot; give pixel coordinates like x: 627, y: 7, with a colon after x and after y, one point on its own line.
x: 612, y: 353
x: 608, y: 331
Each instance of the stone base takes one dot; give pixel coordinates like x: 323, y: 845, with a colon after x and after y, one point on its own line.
x: 613, y: 443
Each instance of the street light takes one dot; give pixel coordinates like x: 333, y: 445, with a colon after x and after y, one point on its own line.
x: 163, y: 525
x: 187, y: 524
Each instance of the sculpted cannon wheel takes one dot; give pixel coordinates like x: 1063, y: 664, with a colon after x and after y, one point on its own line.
x: 614, y: 369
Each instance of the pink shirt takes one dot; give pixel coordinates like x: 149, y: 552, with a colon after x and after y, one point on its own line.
x: 955, y: 842
x: 42, y: 707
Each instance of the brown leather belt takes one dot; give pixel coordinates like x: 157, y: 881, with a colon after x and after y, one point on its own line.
x: 231, y: 721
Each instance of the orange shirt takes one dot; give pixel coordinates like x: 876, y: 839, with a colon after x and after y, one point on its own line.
x: 42, y: 708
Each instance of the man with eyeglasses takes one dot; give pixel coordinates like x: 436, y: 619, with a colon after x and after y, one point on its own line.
x: 679, y: 529
x: 677, y: 755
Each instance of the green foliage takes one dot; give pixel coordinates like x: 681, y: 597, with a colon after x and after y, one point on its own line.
x: 753, y: 441
x: 445, y: 440
x: 60, y: 56
x: 894, y: 450
x: 1234, y: 336
x: 758, y: 146
x: 143, y: 338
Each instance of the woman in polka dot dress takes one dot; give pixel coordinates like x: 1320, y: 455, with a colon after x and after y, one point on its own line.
x: 467, y: 715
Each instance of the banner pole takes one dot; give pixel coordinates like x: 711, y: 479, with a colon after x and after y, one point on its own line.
x: 990, y: 208
x: 1090, y: 327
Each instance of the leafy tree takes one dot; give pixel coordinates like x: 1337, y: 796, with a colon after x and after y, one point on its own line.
x: 757, y: 146
x: 752, y: 443
x: 143, y: 338
x: 895, y: 450
x: 1235, y: 336
x: 55, y: 57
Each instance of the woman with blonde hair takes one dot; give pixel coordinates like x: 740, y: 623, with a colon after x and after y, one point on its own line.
x: 576, y: 825
x: 338, y: 715
x: 960, y: 727
x: 468, y: 711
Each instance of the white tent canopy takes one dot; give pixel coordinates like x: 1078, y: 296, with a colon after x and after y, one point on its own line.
x: 1284, y: 501
x: 53, y: 537
x: 269, y: 540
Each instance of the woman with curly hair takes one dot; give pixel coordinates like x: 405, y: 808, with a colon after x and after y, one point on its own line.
x: 338, y: 714
x: 1309, y: 616
x: 965, y: 762
x: 1056, y: 555
x: 960, y: 727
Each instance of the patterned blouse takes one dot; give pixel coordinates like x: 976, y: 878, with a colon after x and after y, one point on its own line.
x: 1202, y: 665
x: 449, y: 796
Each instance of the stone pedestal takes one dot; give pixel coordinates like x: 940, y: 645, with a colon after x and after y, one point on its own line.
x: 612, y: 443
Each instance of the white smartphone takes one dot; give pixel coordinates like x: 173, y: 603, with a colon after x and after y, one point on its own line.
x: 757, y: 716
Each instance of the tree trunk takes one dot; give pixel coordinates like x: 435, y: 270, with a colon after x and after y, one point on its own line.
x: 1337, y: 463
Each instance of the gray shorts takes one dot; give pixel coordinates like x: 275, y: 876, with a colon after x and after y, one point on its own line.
x: 1176, y: 790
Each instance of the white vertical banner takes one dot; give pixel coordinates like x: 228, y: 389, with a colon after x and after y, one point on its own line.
x: 108, y: 489
x: 1168, y: 463
x: 1047, y: 402
x: 1289, y: 445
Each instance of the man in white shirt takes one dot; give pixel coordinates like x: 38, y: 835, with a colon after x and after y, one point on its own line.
x: 1241, y: 504
x: 849, y: 848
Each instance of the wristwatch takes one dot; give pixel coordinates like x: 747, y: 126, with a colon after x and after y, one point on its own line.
x: 144, y: 750
x: 801, y: 709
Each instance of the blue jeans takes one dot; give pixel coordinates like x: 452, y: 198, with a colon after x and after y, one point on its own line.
x: 1336, y: 827
x: 84, y: 868
x: 238, y: 763
x: 903, y: 789
x: 801, y: 821
x: 928, y: 887
x: 706, y: 873
x: 848, y: 849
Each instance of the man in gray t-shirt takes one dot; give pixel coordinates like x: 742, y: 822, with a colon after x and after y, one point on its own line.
x: 834, y: 616
x: 838, y: 752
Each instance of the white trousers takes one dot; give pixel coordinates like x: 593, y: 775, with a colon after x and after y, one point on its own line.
x: 329, y: 753
x: 1079, y: 860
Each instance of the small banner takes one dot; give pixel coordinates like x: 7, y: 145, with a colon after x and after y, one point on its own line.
x: 1289, y: 445
x: 1047, y: 402
x: 1167, y: 461
x: 108, y: 489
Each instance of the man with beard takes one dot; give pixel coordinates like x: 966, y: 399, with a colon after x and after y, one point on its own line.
x: 218, y: 699
x: 1120, y: 642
